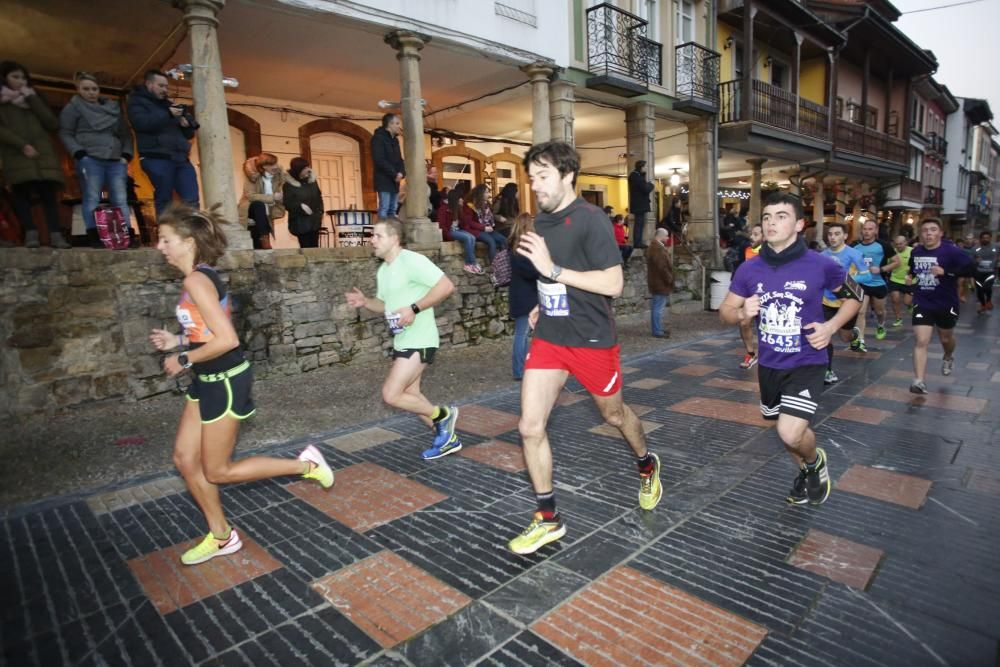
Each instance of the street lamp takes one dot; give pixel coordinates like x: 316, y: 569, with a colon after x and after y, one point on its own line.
x: 675, y: 179
x: 182, y: 72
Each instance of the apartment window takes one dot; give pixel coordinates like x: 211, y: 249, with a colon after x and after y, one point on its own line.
x: 779, y: 74
x: 648, y: 10
x: 869, y: 119
x: 916, y: 164
x: 918, y: 116
x: 683, y: 21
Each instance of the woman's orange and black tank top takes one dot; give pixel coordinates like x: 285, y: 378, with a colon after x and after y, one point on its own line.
x: 197, y: 331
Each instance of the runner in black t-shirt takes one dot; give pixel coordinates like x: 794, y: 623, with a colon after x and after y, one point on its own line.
x: 575, y: 252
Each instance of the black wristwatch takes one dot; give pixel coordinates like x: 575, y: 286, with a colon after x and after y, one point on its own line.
x: 415, y: 308
x: 182, y: 359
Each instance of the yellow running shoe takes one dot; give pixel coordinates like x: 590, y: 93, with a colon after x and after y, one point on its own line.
x: 210, y: 547
x: 320, y: 471
x: 650, y: 489
x: 538, y: 533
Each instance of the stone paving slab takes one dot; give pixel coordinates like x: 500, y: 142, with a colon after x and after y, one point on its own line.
x: 403, y: 561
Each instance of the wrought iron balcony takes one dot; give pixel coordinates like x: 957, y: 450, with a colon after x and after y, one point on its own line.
x: 623, y: 59
x: 697, y: 78
x: 938, y: 145
x: 774, y: 106
x: 933, y: 195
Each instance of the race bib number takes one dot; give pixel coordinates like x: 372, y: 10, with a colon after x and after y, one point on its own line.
x: 184, y: 317
x: 553, y: 299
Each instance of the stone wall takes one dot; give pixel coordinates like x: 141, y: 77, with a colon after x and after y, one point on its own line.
x: 75, y: 324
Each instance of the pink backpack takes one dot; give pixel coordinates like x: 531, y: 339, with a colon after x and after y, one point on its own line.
x: 111, y: 228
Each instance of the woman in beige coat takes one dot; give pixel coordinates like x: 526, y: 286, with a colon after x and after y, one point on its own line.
x: 261, y: 203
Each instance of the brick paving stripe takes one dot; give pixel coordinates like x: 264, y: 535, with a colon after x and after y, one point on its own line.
x: 837, y: 558
x: 503, y: 455
x: 366, y: 495
x: 860, y: 413
x: 389, y: 598
x: 933, y: 399
x: 627, y: 617
x: 744, y: 413
x: 484, y: 421
x: 892, y: 487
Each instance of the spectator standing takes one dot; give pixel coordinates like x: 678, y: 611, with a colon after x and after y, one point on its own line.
x: 522, y: 293
x: 163, y: 132
x: 660, y: 280
x: 263, y: 199
x: 95, y: 133
x: 434, y: 196
x: 30, y: 163
x: 388, y: 160
x: 304, y: 203
x: 639, y: 188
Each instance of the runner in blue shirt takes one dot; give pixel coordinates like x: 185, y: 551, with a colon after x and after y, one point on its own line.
x: 783, y: 289
x: 879, y: 258
x: 854, y: 264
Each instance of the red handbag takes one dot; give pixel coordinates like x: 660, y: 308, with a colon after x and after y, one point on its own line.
x: 111, y: 228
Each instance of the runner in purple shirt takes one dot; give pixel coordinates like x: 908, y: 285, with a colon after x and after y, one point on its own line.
x: 783, y: 289
x: 936, y: 268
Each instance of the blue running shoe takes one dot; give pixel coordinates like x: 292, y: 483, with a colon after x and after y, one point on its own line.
x: 444, y: 430
x: 451, y: 447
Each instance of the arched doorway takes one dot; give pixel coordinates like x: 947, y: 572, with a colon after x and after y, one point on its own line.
x: 336, y: 162
x: 507, y: 168
x: 356, y: 133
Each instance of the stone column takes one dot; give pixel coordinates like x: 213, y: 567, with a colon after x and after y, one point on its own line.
x: 703, y: 190
x: 561, y: 100
x: 640, y: 133
x: 214, y: 148
x: 818, y: 212
x: 420, y: 231
x: 539, y: 74
x: 756, y: 206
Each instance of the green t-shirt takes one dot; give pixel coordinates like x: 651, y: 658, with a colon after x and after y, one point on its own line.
x: 408, y: 278
x: 898, y: 274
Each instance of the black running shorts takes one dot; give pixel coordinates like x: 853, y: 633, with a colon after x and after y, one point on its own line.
x: 426, y: 354
x: 900, y: 287
x: 875, y: 291
x: 226, y: 394
x: 790, y: 391
x: 942, y: 319
x: 830, y: 312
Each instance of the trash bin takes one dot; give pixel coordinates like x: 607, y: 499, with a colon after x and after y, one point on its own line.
x: 718, y: 288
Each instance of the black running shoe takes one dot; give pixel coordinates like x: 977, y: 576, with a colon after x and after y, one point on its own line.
x: 818, y: 480
x: 798, y: 494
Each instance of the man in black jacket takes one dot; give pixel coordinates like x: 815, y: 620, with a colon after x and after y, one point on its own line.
x: 388, y: 160
x: 163, y: 131
x: 638, y: 200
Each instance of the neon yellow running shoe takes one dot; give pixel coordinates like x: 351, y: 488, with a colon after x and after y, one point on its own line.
x: 320, y: 471
x: 650, y: 489
x: 538, y: 533
x: 210, y: 547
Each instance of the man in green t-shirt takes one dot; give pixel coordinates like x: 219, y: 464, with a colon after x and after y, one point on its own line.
x: 899, y: 290
x: 408, y: 287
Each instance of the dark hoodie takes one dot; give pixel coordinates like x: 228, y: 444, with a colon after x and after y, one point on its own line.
x: 578, y: 238
x: 158, y: 133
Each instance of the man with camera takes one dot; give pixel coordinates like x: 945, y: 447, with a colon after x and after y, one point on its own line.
x: 163, y: 130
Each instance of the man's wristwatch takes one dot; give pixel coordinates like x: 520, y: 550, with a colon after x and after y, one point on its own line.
x: 415, y: 308
x: 182, y: 359
x: 554, y: 273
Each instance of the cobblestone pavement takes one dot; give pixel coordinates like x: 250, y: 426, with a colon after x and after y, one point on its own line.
x: 402, y: 562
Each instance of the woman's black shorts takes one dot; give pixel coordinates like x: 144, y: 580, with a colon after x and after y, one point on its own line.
x: 226, y: 394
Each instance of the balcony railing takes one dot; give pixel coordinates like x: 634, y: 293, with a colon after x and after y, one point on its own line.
x: 937, y: 144
x: 911, y: 189
x: 696, y: 72
x: 774, y: 106
x: 617, y: 46
x: 856, y: 138
x: 933, y: 196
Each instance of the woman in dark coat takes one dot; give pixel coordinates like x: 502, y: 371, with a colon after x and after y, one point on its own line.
x: 522, y: 293
x: 304, y: 203
x: 30, y: 162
